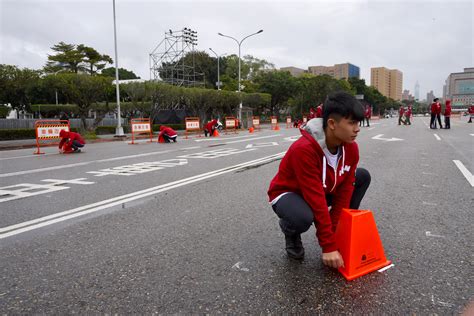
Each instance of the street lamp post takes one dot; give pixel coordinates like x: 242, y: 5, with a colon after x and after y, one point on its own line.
x: 239, y: 43
x: 218, y: 71
x: 119, y: 128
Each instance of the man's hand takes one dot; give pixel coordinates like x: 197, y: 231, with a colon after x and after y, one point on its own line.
x: 333, y: 259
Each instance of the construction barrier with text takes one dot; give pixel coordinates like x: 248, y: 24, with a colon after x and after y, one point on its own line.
x: 256, y: 122
x: 140, y: 126
x: 47, y: 132
x: 288, y: 121
x: 274, y: 123
x: 230, y: 124
x: 192, y: 126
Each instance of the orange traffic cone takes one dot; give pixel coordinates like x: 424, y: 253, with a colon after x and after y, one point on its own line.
x: 359, y: 244
x: 216, y: 133
x: 277, y: 127
x: 251, y: 130
x: 161, y: 139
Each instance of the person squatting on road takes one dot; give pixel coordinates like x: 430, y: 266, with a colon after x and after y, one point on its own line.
x: 167, y: 134
x: 210, y: 127
x: 70, y: 142
x: 447, y: 115
x: 320, y: 171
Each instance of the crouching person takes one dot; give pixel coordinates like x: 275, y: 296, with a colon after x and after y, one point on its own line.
x: 167, y: 134
x: 210, y: 127
x: 70, y: 142
x: 320, y: 171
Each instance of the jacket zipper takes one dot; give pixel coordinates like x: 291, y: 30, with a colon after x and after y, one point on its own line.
x: 335, y: 174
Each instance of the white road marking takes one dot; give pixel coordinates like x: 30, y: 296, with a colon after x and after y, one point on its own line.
x: 428, y: 173
x: 211, y: 154
x: 437, y: 137
x: 379, y: 137
x: 138, y: 168
x: 237, y: 266
x: 386, y: 268
x: 292, y: 138
x: 94, y: 207
x: 189, y: 148
x: 24, y: 190
x: 429, y: 234
x: 471, y: 134
x: 224, y: 138
x: 18, y: 173
x: 246, y: 140
x: 429, y: 203
x: 371, y: 128
x: 468, y: 175
x: 258, y: 145
x: 29, y: 156
x: 427, y: 186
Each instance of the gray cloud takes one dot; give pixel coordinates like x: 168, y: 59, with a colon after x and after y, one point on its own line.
x: 426, y: 40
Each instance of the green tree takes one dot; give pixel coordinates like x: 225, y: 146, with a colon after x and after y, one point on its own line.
x: 86, y: 92
x: 16, y: 85
x: 124, y: 74
x: 76, y: 59
x: 280, y: 84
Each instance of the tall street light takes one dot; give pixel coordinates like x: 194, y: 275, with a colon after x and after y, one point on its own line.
x: 218, y: 71
x: 119, y: 128
x: 240, y: 43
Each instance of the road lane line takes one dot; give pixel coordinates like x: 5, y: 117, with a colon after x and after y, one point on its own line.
x: 18, y: 173
x: 94, y: 207
x: 371, y: 128
x: 437, y: 137
x: 216, y: 139
x: 468, y: 175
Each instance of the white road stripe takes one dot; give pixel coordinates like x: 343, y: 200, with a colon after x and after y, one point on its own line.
x: 386, y: 268
x: 29, y: 156
x: 18, y: 173
x: 469, y: 177
x: 216, y: 138
x: 437, y: 137
x: 371, y: 128
x: 94, y: 207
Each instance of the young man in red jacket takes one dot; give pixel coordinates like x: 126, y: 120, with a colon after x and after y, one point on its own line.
x: 438, y: 113
x: 408, y: 115
x: 167, y: 134
x: 318, y: 171
x: 70, y: 142
x: 447, y: 115
x: 401, y: 111
x: 434, y: 110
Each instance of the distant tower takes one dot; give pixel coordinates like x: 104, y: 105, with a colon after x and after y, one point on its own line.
x: 417, y: 91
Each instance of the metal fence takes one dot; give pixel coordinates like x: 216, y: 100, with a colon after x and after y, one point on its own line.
x: 75, y: 123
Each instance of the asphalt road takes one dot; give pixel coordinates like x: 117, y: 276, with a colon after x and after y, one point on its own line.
x: 186, y: 228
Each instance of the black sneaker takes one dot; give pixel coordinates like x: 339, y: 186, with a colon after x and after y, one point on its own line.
x: 294, y: 246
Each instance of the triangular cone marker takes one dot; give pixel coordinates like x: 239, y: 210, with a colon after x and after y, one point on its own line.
x: 359, y: 244
x: 216, y: 133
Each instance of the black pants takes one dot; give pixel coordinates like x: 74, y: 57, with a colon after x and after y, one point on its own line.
x: 296, y: 215
x: 438, y: 117
x: 447, y: 122
x: 170, y: 138
x: 76, y: 145
x: 210, y: 133
x: 433, y: 120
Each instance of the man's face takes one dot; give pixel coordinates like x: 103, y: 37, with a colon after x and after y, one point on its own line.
x: 346, y: 129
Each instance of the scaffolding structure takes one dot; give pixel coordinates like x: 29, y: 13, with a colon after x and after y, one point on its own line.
x: 168, y: 62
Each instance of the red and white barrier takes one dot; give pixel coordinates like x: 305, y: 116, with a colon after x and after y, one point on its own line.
x: 47, y: 132
x: 140, y: 126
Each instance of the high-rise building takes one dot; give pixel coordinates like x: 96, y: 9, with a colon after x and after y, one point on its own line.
x: 338, y: 71
x: 294, y: 71
x: 429, y: 97
x: 417, y: 91
x: 459, y: 88
x: 389, y: 82
x: 407, y: 96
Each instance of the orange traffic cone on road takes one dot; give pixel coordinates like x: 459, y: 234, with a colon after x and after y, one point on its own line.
x: 216, y: 133
x: 277, y: 127
x: 359, y: 244
x: 251, y: 130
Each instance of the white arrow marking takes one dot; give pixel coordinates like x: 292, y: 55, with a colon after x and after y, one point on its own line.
x: 261, y: 145
x: 379, y: 137
x: 469, y: 177
x: 437, y: 137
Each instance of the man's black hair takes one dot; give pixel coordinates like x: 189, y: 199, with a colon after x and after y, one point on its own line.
x: 342, y: 105
x: 435, y: 99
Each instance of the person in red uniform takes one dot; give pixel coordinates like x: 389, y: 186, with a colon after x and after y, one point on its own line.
x: 438, y: 113
x: 471, y: 113
x: 401, y: 113
x: 312, y: 114
x: 210, y: 127
x: 70, y: 142
x: 433, y: 109
x: 167, y: 134
x: 319, y: 110
x: 447, y: 115
x: 408, y: 115
x: 320, y: 170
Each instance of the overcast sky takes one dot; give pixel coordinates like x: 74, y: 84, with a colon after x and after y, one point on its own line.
x: 426, y: 40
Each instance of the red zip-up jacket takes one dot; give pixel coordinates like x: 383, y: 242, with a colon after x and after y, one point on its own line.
x: 434, y: 108
x: 304, y: 170
x: 210, y: 125
x: 69, y: 137
x: 447, y: 109
x: 166, y: 130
